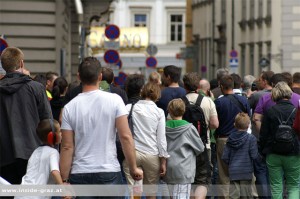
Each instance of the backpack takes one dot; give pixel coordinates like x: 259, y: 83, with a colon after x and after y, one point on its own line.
x: 195, y: 115
x: 284, y: 140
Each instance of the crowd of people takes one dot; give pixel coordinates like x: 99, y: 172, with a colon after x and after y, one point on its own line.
x: 230, y: 137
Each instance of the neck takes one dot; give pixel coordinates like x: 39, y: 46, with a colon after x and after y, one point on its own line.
x: 296, y: 85
x: 87, y: 88
x: 173, y: 84
x: 268, y: 87
x: 177, y: 118
x: 227, y: 92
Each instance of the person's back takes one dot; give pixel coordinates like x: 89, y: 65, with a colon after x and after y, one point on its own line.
x: 170, y: 79
x: 89, y: 127
x: 23, y: 105
x: 84, y: 119
x: 239, y: 153
x: 184, y: 144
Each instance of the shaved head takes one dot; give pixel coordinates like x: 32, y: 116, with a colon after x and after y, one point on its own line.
x: 204, y: 84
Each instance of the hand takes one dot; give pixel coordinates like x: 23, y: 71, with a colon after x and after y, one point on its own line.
x: 163, y: 169
x: 137, y: 174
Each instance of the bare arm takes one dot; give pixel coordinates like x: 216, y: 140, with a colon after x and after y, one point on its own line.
x: 56, y: 175
x: 128, y: 146
x: 66, y: 154
x: 213, y: 122
x: 257, y: 118
x: 163, y: 166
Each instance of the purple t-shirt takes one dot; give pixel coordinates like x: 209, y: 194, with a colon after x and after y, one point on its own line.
x: 265, y: 102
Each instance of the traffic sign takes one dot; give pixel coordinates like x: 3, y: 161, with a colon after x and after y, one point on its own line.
x: 112, y: 32
x: 152, y: 50
x: 111, y: 56
x: 119, y: 64
x: 203, y: 69
x: 151, y: 62
x: 3, y: 45
x: 112, y: 45
x: 233, y: 62
x: 120, y: 80
x: 233, y: 53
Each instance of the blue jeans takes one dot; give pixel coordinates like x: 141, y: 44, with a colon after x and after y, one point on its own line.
x: 100, y: 178
x: 262, y: 177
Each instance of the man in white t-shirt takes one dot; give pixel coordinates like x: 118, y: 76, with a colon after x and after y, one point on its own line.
x: 89, y: 124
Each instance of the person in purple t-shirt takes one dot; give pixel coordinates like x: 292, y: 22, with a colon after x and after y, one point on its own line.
x: 265, y: 102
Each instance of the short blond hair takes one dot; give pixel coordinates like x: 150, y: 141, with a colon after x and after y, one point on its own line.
x: 176, y: 108
x: 11, y: 58
x: 155, y: 77
x: 242, y: 121
x: 281, y: 91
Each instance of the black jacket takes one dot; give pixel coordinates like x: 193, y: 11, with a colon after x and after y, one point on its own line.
x: 270, y: 123
x: 23, y: 103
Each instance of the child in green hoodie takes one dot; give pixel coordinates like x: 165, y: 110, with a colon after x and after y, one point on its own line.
x: 184, y: 144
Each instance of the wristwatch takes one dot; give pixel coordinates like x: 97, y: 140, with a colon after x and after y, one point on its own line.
x: 66, y: 180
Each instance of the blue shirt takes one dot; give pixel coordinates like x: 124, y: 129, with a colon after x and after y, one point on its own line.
x: 227, y: 110
x: 168, y: 94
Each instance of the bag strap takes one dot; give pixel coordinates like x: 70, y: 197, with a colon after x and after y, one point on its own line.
x: 199, y: 100
x: 236, y: 102
x: 185, y: 100
x: 289, y: 117
x: 131, y: 109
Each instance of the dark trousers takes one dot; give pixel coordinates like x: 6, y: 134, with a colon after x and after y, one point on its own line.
x: 14, y: 172
x: 262, y: 178
x: 101, y: 178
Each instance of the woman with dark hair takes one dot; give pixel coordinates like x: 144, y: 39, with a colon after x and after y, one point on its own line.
x: 60, y: 86
x: 282, y: 156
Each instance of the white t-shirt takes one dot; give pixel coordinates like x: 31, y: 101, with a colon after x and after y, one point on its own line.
x: 43, y: 160
x: 149, y: 128
x: 91, y: 116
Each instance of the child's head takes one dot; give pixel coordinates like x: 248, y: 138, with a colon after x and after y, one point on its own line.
x: 176, y: 108
x: 45, y: 132
x: 242, y: 121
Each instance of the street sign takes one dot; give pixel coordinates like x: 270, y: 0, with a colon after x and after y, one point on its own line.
x: 112, y: 32
x: 112, y: 45
x: 233, y: 53
x: 233, y: 62
x: 120, y: 80
x: 151, y: 50
x: 203, y: 69
x: 188, y: 53
x: 3, y: 45
x: 120, y: 64
x: 151, y: 62
x: 111, y: 56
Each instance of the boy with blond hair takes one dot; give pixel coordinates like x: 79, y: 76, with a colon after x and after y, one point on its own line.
x: 239, y: 153
x: 184, y: 144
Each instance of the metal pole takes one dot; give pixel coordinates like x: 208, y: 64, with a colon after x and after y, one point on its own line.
x: 213, y: 40
x: 232, y: 24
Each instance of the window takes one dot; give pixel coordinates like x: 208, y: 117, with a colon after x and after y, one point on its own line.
x: 269, y: 8
x: 176, y: 33
x: 244, y: 9
x: 223, y: 12
x: 260, y: 8
x: 252, y: 9
x: 243, y: 59
x: 252, y: 65
x: 140, y: 20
